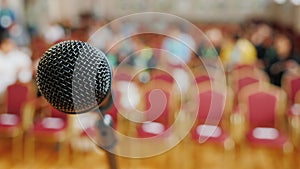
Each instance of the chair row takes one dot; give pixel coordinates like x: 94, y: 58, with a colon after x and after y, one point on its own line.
x: 26, y: 115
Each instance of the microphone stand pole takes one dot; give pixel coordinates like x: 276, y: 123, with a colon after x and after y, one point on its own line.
x: 106, y: 139
x: 105, y: 136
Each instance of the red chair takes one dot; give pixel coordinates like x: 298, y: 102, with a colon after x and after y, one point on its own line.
x: 204, y: 108
x: 243, y: 76
x: 210, y: 127
x: 201, y: 75
x: 203, y: 78
x: 294, y: 110
x: 246, y: 81
x: 157, y: 115
x: 291, y: 84
x: 239, y: 78
x: 11, y: 121
x: 165, y: 77
x: 247, y: 67
x: 294, y: 120
x: 159, y: 75
x: 52, y: 127
x: 263, y: 106
x: 210, y: 119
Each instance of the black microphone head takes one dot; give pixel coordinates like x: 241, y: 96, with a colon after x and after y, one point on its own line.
x: 74, y: 76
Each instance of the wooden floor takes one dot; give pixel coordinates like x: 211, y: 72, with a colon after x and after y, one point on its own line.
x: 186, y: 155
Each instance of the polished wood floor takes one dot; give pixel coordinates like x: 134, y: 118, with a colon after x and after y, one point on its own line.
x: 186, y: 155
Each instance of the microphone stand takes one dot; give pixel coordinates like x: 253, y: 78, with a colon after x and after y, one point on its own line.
x: 106, y: 139
x: 105, y: 136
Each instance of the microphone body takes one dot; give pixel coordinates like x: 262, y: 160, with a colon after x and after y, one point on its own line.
x: 75, y: 77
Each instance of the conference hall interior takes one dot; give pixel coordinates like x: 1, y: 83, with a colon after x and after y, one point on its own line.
x: 194, y: 84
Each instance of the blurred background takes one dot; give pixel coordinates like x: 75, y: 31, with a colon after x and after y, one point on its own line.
x: 255, y: 44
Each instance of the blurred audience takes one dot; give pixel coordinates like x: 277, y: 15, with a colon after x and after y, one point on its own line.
x: 211, y: 49
x: 144, y: 56
x: 53, y: 32
x: 7, y: 16
x: 239, y: 51
x: 284, y: 59
x: 180, y: 44
x: 262, y: 39
x: 254, y: 43
x: 14, y: 64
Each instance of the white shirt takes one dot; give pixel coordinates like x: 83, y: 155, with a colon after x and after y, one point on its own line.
x: 14, y: 65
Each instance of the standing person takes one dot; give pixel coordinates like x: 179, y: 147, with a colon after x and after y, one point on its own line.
x: 262, y: 39
x: 14, y: 64
x: 7, y: 16
x: 238, y: 50
x: 180, y: 45
x: 284, y: 60
x: 212, y: 49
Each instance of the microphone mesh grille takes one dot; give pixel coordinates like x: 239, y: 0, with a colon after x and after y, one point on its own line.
x: 74, y: 76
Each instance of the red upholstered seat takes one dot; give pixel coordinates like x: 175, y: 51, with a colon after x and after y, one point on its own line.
x: 157, y: 114
x: 165, y: 77
x: 247, y: 67
x: 262, y: 104
x: 203, y: 78
x: 210, y: 129
x: 11, y: 120
x: 243, y: 76
x: 52, y: 127
x: 262, y: 109
x: 295, y: 87
x: 246, y: 81
x: 16, y: 97
x: 291, y: 84
x: 8, y: 120
x: 262, y: 115
x: 214, y: 133
x: 152, y: 129
x: 52, y: 124
x: 270, y: 137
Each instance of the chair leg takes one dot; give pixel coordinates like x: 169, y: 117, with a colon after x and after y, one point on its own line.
x: 29, y: 149
x: 63, y: 155
x: 17, y: 147
x: 244, y: 154
x: 229, y: 153
x: 288, y: 157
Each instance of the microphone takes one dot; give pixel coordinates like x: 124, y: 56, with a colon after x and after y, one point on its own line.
x: 75, y: 77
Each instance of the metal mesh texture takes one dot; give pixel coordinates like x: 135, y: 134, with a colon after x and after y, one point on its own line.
x: 74, y: 76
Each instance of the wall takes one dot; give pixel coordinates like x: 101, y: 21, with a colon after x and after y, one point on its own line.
x: 41, y: 12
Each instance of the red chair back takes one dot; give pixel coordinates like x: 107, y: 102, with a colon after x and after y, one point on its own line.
x: 165, y: 77
x: 244, y: 66
x: 246, y: 81
x: 157, y: 105
x: 206, y: 108
x: 295, y: 87
x: 262, y: 110
x: 203, y: 78
x: 17, y: 95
